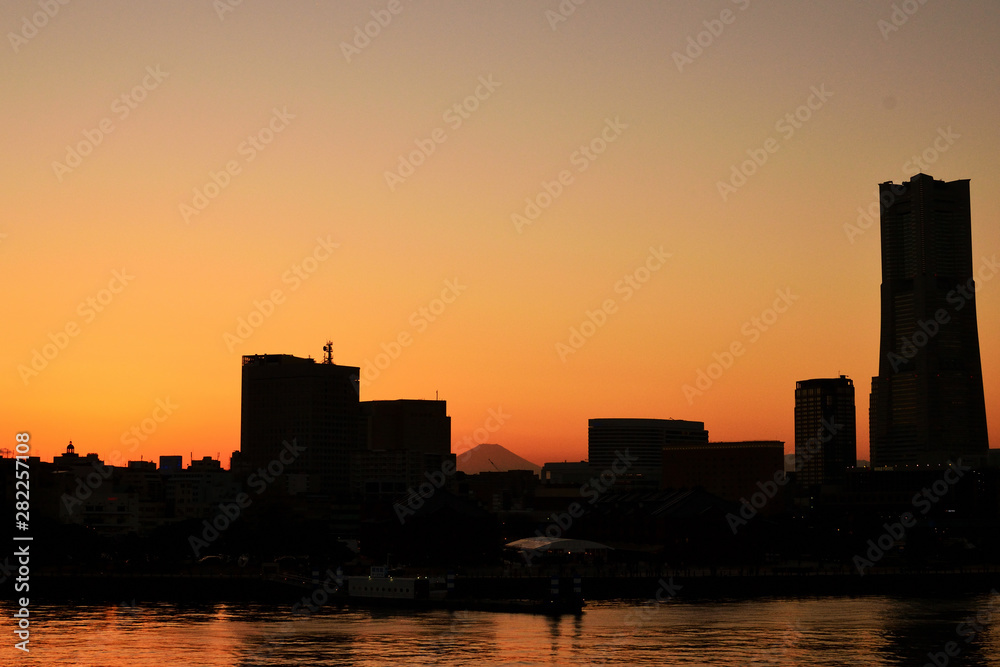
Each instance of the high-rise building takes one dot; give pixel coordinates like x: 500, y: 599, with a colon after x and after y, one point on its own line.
x: 301, y: 418
x: 408, y: 443
x: 825, y: 430
x: 644, y: 440
x: 413, y: 425
x: 927, y: 404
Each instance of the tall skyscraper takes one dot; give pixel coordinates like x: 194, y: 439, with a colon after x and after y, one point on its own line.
x: 288, y: 398
x: 608, y: 439
x: 927, y: 404
x: 826, y: 443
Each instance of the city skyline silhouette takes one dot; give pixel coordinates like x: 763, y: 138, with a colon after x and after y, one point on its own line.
x: 537, y: 332
x: 590, y: 235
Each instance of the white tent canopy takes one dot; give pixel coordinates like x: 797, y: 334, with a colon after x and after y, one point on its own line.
x: 542, y: 544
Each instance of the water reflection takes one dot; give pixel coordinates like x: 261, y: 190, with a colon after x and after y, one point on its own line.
x: 778, y: 631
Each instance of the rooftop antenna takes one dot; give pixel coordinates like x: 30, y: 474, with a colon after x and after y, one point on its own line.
x: 328, y: 349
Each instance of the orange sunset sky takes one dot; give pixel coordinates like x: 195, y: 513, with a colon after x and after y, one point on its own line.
x: 177, y: 162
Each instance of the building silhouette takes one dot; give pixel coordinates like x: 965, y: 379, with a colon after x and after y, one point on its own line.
x: 927, y: 404
x: 644, y: 439
x: 565, y: 472
x: 70, y: 458
x: 171, y: 463
x: 407, y: 443
x: 315, y: 406
x: 411, y: 424
x: 729, y: 470
x: 825, y: 430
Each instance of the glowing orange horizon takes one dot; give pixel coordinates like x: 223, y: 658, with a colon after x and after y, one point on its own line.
x: 187, y: 188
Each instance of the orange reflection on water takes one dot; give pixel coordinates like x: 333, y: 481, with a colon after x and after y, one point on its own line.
x: 777, y: 631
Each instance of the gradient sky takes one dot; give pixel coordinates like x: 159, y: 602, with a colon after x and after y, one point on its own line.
x: 347, y: 116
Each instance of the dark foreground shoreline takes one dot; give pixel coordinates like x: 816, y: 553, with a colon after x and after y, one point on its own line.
x: 276, y: 589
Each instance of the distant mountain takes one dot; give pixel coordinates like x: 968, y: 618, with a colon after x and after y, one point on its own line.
x: 490, y: 458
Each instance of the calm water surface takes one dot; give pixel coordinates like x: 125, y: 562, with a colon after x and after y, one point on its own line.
x: 773, y: 631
